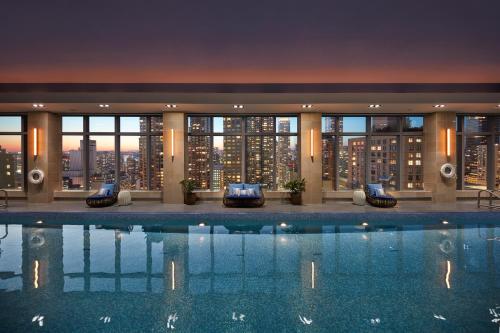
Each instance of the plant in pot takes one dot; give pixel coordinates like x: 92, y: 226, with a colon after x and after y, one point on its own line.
x: 188, y: 186
x: 296, y: 187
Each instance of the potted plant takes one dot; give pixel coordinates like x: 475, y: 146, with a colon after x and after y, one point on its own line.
x: 296, y: 187
x: 188, y: 186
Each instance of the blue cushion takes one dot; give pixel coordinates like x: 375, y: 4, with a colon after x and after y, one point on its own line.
x: 232, y: 187
x: 373, y: 189
x: 254, y: 187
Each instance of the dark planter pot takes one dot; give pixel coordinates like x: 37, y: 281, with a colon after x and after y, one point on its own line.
x: 296, y: 198
x: 190, y: 198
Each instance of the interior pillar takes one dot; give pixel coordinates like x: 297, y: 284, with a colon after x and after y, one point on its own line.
x: 310, y: 166
x: 49, y: 154
x: 173, y: 165
x: 435, y: 155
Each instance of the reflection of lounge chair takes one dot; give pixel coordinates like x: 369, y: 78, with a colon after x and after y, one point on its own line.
x: 243, y: 195
x: 107, y: 196
x: 376, y: 196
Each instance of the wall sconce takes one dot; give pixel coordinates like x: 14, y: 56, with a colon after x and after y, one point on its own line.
x: 172, y: 267
x: 311, y: 137
x: 35, y: 142
x: 172, y: 143
x: 448, y: 142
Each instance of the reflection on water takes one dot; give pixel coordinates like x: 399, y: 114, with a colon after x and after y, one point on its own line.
x: 213, y: 278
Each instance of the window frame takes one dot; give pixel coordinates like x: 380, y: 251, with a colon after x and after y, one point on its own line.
x: 24, y: 146
x: 117, y: 134
x: 369, y: 134
x: 244, y: 135
x: 461, y: 138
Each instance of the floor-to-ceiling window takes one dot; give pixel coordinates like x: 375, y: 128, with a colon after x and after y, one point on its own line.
x: 255, y: 149
x: 12, y: 146
x: 478, y: 152
x: 102, y: 149
x: 380, y: 149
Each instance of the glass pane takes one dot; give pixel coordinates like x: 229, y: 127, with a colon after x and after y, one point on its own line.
x: 101, y: 124
x: 72, y: 124
x: 260, y: 160
x: 10, y: 124
x: 383, y: 161
x: 133, y: 163
x: 328, y: 156
x: 11, y: 162
x: 286, y: 160
x: 385, y: 124
x: 286, y: 124
x: 227, y: 125
x: 328, y: 124
x: 413, y: 167
x: 352, y: 124
x: 156, y: 124
x: 413, y: 124
x: 133, y: 124
x: 72, y: 162
x: 258, y: 125
x: 156, y: 172
x: 101, y: 160
x: 199, y: 161
x: 199, y: 125
x: 351, y: 165
x: 476, y: 124
x: 226, y: 161
x: 497, y: 162
x: 475, y: 162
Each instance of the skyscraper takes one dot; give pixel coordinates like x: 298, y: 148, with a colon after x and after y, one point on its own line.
x: 198, y: 152
x: 7, y: 169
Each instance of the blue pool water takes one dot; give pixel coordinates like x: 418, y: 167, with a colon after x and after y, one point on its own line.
x: 115, y: 274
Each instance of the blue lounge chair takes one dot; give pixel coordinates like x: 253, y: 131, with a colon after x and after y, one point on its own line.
x: 107, y: 196
x: 243, y: 195
x: 376, y: 196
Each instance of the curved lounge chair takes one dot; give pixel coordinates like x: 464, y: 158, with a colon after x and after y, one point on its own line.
x: 376, y: 196
x: 232, y: 197
x: 107, y: 196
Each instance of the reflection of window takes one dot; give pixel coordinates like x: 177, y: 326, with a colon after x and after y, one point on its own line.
x: 126, y: 149
x: 215, y: 151
x: 11, y: 152
x: 344, y: 156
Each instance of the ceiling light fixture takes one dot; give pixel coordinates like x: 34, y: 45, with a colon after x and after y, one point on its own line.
x: 439, y: 106
x: 237, y: 106
x: 307, y: 106
x: 38, y: 105
x: 104, y: 105
x: 171, y: 106
x: 374, y: 106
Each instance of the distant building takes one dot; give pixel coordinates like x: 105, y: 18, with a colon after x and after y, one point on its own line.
x: 7, y: 169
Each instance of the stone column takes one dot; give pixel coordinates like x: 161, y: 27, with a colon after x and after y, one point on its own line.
x: 310, y: 168
x: 435, y: 126
x: 49, y: 144
x: 173, y: 168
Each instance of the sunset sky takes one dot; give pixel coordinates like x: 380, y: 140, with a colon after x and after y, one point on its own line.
x: 252, y: 41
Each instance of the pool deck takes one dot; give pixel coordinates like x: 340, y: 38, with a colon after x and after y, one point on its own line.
x: 270, y: 207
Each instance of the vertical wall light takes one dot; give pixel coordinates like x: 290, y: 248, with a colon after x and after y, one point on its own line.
x: 35, y: 142
x: 172, y: 143
x: 448, y: 272
x: 311, y: 137
x: 313, y: 276
x: 448, y: 142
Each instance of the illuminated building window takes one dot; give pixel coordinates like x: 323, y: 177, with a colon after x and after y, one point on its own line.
x: 12, y: 152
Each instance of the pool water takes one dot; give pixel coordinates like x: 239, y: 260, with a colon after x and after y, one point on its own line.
x: 260, y: 277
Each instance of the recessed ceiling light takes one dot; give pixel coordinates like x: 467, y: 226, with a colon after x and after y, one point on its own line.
x: 374, y: 106
x: 307, y: 106
x: 104, y: 105
x: 439, y: 106
x: 38, y: 105
x: 171, y: 106
x: 237, y: 106
x: 498, y: 106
